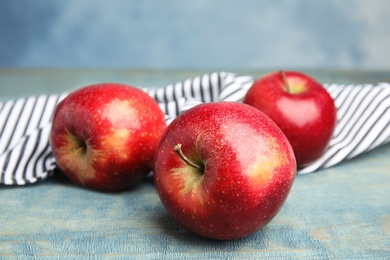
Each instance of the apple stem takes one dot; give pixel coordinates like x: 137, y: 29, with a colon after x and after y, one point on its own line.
x: 185, y: 159
x: 284, y: 78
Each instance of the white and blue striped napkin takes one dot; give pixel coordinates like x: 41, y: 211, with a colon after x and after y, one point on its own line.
x: 25, y: 155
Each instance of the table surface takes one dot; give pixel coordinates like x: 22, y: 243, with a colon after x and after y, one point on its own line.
x: 341, y: 212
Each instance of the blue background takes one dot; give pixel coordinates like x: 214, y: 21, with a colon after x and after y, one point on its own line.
x: 237, y: 34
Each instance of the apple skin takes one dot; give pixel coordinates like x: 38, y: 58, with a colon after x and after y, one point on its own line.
x: 104, y: 136
x: 249, y: 169
x: 304, y: 111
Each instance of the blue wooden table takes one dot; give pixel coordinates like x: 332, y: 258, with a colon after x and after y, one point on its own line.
x: 342, y: 212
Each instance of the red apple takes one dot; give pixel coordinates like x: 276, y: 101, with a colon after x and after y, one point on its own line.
x: 104, y: 136
x: 301, y: 107
x: 223, y: 170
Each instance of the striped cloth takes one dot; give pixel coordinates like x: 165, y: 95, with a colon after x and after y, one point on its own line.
x: 25, y: 155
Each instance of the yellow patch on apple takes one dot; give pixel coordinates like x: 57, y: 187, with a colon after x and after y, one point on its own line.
x: 76, y: 161
x: 117, y: 142
x: 263, y: 169
x: 191, y: 177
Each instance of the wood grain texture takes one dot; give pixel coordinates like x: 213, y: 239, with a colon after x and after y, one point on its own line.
x: 341, y: 212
